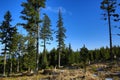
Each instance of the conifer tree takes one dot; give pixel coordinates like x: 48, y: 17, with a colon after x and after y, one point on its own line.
x: 70, y: 55
x: 12, y: 44
x: 31, y: 13
x: 109, y: 8
x: 84, y: 56
x: 46, y: 36
x: 20, y: 49
x: 60, y: 35
x: 6, y: 31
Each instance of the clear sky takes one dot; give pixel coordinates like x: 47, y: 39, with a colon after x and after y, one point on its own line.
x: 82, y: 20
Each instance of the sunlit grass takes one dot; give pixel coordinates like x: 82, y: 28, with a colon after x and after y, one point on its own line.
x: 34, y: 77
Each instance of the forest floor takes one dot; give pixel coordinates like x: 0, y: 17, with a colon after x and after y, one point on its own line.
x: 94, y: 72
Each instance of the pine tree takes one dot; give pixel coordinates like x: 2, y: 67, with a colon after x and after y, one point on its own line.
x: 31, y: 13
x: 46, y: 36
x: 6, y: 31
x: 60, y: 35
x: 109, y: 6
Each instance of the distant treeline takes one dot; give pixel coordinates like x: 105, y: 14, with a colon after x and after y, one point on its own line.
x: 68, y: 58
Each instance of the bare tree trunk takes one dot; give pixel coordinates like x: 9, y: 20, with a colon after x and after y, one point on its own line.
x: 110, y: 33
x: 44, y: 48
x: 4, y: 74
x: 11, y: 64
x: 59, y: 52
x: 11, y: 67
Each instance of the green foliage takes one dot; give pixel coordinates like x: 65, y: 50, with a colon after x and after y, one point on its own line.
x: 31, y: 14
x: 46, y: 36
x: 46, y: 31
x: 109, y: 8
x: 7, y: 36
x: 61, y: 31
x: 76, y: 57
x: 44, y: 61
x: 53, y: 57
x: 84, y: 54
x: 60, y: 35
x: 5, y: 29
x: 31, y: 52
x: 22, y: 49
x: 71, y: 58
x: 107, y: 53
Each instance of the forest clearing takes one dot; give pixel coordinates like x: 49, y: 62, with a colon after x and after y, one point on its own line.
x: 59, y: 40
x: 100, y: 71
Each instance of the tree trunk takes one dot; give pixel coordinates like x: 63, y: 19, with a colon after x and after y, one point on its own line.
x: 110, y: 33
x: 37, y: 52
x: 44, y: 49
x: 59, y: 52
x: 4, y: 74
x: 11, y: 64
x: 18, y: 65
x: 29, y: 69
x: 11, y: 67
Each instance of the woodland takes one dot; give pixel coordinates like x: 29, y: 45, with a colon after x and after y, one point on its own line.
x: 20, y: 55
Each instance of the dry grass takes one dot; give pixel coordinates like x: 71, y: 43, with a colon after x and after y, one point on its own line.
x: 34, y: 77
x: 67, y: 74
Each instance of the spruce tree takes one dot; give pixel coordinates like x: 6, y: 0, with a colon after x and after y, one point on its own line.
x: 70, y: 55
x: 46, y: 36
x: 12, y: 44
x: 6, y: 31
x: 60, y: 35
x: 31, y: 13
x: 84, y: 56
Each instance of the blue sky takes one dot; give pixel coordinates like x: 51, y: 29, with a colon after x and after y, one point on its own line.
x: 82, y: 20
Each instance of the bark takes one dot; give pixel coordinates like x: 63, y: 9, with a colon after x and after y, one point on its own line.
x: 110, y: 33
x: 59, y: 52
x: 37, y: 53
x: 4, y: 74
x: 11, y: 64
x: 18, y: 65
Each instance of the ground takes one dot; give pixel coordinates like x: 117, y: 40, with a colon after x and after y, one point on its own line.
x: 94, y: 72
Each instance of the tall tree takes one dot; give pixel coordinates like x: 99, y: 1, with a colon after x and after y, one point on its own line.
x: 46, y: 36
x: 12, y: 44
x: 109, y: 10
x: 60, y: 35
x: 6, y: 30
x: 31, y: 13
